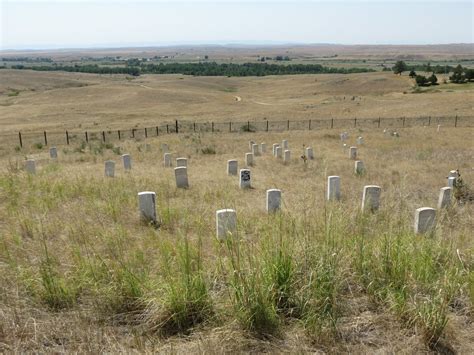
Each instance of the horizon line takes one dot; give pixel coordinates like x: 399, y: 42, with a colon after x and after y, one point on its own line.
x: 261, y: 44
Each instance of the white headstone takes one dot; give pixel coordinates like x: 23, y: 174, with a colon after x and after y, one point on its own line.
x: 359, y: 167
x: 255, y: 150
x: 53, y: 153
x: 181, y: 175
x: 453, y: 173
x: 244, y: 179
x: 287, y: 156
x: 251, y: 143
x: 182, y: 162
x: 110, y: 168
x: 263, y: 148
x: 232, y: 166
x: 147, y: 206
x: 371, y: 198
x: 425, y: 220
x: 167, y: 160
x: 334, y: 188
x: 127, y: 161
x: 452, y: 182
x: 284, y: 144
x: 353, y: 153
x: 275, y: 146
x: 226, y: 223
x: 444, y: 199
x: 30, y: 166
x: 278, y: 152
x: 309, y: 153
x: 360, y: 140
x: 439, y: 126
x: 273, y: 200
x: 248, y: 159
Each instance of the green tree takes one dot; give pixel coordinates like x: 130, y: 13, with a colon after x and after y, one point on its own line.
x: 421, y: 80
x: 433, y: 79
x: 412, y: 74
x: 399, y: 67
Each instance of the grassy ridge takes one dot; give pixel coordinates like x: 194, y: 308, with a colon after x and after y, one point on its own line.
x: 72, y: 240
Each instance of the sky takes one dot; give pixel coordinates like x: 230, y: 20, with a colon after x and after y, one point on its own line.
x: 36, y: 24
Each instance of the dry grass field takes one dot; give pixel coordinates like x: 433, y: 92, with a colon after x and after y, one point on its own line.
x: 54, y: 101
x: 79, y: 272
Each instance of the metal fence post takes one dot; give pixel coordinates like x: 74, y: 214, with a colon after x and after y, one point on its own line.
x: 355, y: 122
x: 288, y: 125
x: 332, y: 122
x: 45, y: 138
x: 157, y: 131
x: 87, y: 137
x: 267, y: 125
x: 19, y: 137
x: 230, y: 126
x: 309, y: 124
x: 212, y: 127
x: 176, y: 123
x: 456, y: 121
x: 167, y: 129
x: 378, y: 123
x: 103, y: 136
x: 118, y: 133
x: 67, y: 137
x: 194, y: 125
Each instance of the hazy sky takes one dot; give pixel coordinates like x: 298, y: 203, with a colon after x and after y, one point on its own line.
x: 93, y: 23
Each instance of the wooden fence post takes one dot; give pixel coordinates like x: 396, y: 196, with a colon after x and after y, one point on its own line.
x: 21, y: 141
x: 288, y: 125
x: 176, y: 123
x: 87, y: 137
x: 194, y: 125
x: 67, y: 137
x: 212, y: 127
x: 267, y: 125
x: 456, y: 121
x: 332, y: 122
x: 230, y: 126
x: 119, y: 135
x: 167, y: 129
x: 378, y: 126
x: 45, y: 138
x: 309, y: 124
x: 157, y: 131
x: 103, y: 136
x: 355, y: 122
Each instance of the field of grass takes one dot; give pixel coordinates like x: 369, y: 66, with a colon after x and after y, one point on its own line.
x: 79, y: 271
x: 73, y: 101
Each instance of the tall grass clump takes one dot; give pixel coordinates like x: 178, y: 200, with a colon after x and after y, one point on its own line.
x: 251, y: 294
x: 183, y: 301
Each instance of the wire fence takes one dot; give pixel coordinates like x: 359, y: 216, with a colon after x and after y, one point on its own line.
x: 54, y: 138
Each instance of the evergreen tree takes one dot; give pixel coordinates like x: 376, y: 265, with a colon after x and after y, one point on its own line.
x: 399, y: 67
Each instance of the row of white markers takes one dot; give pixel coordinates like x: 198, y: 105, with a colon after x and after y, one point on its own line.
x: 226, y: 219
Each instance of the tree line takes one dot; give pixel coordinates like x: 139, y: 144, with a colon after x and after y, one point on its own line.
x: 200, y: 69
x: 460, y: 74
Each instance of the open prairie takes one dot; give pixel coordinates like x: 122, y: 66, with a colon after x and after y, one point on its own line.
x: 82, y: 271
x: 40, y: 101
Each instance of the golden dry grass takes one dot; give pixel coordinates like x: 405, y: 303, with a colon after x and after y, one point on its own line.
x: 59, y: 101
x: 74, y: 210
